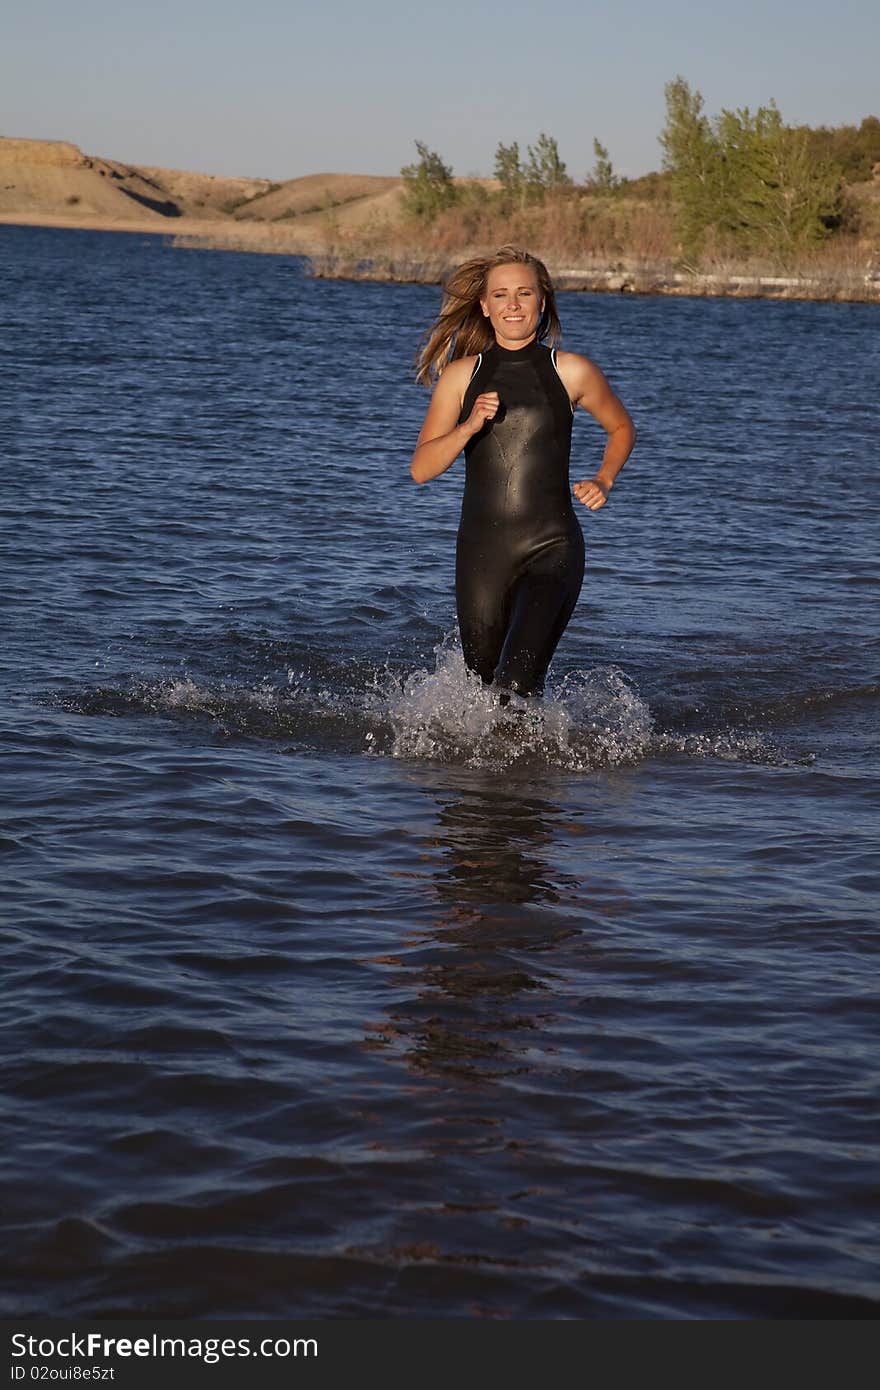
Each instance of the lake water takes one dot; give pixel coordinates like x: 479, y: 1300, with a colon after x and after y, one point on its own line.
x: 325, y: 997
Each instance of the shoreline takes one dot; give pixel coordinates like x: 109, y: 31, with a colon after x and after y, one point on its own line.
x: 631, y: 276
x: 174, y: 226
x: 626, y: 275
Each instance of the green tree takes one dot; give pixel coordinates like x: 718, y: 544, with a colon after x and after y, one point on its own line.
x: 603, y: 177
x: 544, y: 171
x: 509, y: 173
x: 854, y: 149
x: 868, y: 146
x: 777, y: 196
x: 428, y: 185
x: 691, y: 158
x: 755, y: 181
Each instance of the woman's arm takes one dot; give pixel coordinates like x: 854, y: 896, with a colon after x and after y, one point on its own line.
x: 441, y: 438
x: 588, y: 387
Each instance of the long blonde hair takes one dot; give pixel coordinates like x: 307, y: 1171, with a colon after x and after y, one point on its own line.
x: 461, y: 328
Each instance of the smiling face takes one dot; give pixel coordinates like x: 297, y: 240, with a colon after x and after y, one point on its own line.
x: 513, y: 304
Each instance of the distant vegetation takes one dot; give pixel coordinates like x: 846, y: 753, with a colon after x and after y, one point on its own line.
x: 855, y: 150
x: 746, y: 181
x: 248, y: 199
x: 428, y: 185
x: 743, y: 204
x: 540, y: 176
x: 738, y: 185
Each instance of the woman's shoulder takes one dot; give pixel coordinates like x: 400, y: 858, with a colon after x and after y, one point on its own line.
x: 575, y: 367
x: 456, y: 375
x: 461, y: 367
x: 576, y: 360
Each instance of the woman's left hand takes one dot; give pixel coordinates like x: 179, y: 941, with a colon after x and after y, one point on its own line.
x: 593, y: 494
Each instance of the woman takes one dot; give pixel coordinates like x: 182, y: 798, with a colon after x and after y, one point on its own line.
x: 508, y: 401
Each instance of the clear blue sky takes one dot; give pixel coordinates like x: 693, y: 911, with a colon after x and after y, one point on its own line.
x: 276, y: 88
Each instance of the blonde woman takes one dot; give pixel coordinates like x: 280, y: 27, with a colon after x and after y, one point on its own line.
x: 507, y: 398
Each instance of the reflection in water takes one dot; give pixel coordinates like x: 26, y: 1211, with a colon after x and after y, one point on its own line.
x: 486, y: 964
x: 492, y: 839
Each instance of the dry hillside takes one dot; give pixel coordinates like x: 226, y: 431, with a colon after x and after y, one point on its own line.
x: 316, y: 193
x: 52, y: 181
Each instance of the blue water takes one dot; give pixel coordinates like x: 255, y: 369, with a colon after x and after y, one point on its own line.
x: 323, y: 994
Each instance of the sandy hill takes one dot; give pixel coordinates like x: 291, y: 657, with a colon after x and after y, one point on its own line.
x: 318, y: 193
x: 54, y: 181
x: 49, y: 178
x: 204, y: 195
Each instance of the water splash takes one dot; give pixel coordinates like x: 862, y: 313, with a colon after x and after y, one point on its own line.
x: 590, y: 720
x: 295, y: 707
x: 586, y: 720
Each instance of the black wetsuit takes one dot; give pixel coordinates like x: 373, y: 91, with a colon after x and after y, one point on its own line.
x: 520, y: 553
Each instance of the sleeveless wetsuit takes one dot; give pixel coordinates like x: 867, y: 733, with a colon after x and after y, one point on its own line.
x: 520, y: 552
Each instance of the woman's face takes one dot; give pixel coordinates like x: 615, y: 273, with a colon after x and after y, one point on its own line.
x: 513, y: 303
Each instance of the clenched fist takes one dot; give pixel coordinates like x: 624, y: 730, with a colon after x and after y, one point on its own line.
x: 485, y: 408
x: 592, y: 493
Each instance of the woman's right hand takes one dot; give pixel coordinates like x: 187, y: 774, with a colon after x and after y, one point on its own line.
x: 485, y: 408
x: 441, y: 438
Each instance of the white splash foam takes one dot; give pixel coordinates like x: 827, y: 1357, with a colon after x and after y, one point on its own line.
x: 183, y: 693
x: 179, y: 694
x: 592, y: 719
x: 728, y: 745
x: 587, y: 720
